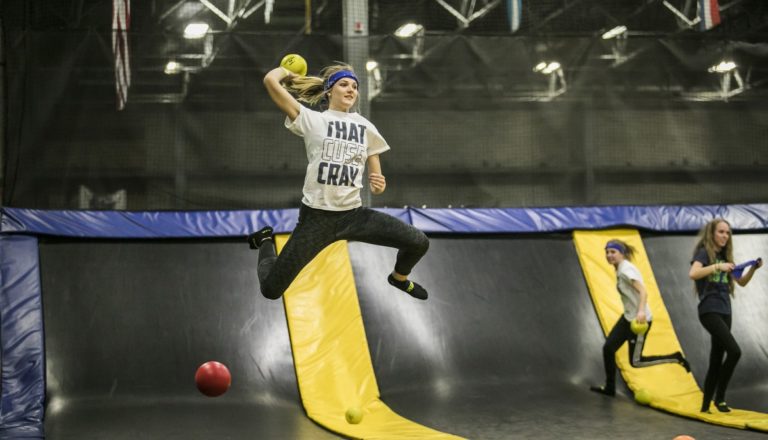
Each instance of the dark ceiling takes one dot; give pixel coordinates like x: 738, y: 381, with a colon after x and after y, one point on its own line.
x: 663, y: 54
x: 741, y: 19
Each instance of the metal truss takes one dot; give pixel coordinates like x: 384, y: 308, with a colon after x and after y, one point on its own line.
x: 466, y: 12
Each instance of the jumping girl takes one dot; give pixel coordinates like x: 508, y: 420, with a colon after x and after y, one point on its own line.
x: 339, y: 144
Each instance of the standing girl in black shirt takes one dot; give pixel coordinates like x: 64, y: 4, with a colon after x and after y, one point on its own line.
x: 711, y: 270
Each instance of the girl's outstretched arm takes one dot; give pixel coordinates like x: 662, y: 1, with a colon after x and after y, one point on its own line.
x: 748, y: 276
x: 284, y: 100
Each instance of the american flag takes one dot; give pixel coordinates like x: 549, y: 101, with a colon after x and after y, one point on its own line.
x: 121, y: 22
x: 709, y: 14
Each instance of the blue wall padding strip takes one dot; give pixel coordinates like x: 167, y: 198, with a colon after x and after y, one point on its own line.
x: 528, y: 220
x: 22, y: 397
x: 145, y: 224
x: 180, y: 224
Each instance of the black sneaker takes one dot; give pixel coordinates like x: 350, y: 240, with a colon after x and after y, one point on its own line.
x: 722, y: 407
x: 604, y: 391
x: 409, y: 287
x: 257, y: 238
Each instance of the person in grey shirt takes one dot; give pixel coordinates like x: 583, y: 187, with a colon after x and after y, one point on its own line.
x: 629, y: 283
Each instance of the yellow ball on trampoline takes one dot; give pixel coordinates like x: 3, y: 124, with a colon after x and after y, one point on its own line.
x: 354, y: 415
x: 638, y: 328
x: 642, y: 396
x: 295, y: 63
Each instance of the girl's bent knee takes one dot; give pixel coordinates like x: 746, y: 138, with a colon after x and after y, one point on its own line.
x: 422, y: 243
x: 270, y: 292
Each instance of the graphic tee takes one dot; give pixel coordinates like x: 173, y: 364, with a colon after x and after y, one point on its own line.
x: 625, y: 274
x: 338, y: 145
x: 714, y: 290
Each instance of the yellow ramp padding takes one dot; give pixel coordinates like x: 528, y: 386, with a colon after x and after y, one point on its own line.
x: 330, y: 352
x: 670, y: 387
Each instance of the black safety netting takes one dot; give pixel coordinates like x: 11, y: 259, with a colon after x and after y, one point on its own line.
x: 473, y: 119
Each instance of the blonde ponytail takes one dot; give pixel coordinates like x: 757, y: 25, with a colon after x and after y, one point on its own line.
x: 311, y: 89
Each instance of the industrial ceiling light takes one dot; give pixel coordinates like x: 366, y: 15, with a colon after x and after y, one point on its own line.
x: 729, y: 74
x: 618, y: 31
x: 375, y: 79
x: 547, y: 68
x: 722, y: 67
x: 617, y: 38
x: 172, y: 67
x: 551, y: 67
x: 408, y: 30
x: 554, y: 73
x: 194, y: 31
x: 413, y: 35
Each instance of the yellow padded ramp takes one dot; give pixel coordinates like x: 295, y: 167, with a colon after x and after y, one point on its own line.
x: 671, y: 388
x: 330, y: 352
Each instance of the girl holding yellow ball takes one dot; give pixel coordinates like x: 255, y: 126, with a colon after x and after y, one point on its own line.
x: 629, y: 328
x: 340, y: 144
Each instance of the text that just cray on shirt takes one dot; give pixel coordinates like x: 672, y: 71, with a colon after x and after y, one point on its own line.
x: 338, y: 145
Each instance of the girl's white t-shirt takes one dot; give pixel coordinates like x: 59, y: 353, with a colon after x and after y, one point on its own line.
x: 625, y: 274
x: 338, y: 145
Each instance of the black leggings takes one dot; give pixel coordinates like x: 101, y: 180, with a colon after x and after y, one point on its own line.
x: 620, y: 333
x: 719, y: 372
x: 317, y: 229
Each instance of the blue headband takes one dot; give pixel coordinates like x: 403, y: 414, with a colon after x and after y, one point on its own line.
x: 616, y: 246
x: 333, y: 79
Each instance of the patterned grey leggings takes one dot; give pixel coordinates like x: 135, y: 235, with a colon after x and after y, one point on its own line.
x: 317, y: 229
x: 622, y: 331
